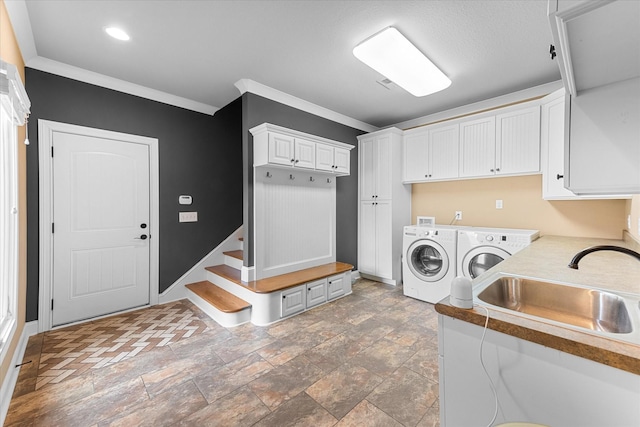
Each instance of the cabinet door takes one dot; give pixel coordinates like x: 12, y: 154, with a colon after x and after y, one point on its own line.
x: 293, y: 301
x: 342, y: 160
x: 552, y: 140
x: 305, y: 154
x: 335, y: 286
x: 416, y: 153
x: 324, y: 157
x: 367, y: 243
x: 518, y: 141
x: 316, y: 292
x: 443, y: 152
x: 384, y: 240
x: 383, y: 169
x: 281, y: 149
x: 367, y: 169
x: 478, y: 147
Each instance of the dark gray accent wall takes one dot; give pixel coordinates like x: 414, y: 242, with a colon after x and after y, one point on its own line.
x: 257, y: 110
x: 199, y: 154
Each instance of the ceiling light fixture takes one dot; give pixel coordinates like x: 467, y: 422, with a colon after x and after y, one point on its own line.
x: 117, y: 33
x: 392, y: 55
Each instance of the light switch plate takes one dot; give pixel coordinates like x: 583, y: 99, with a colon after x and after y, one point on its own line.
x: 188, y: 217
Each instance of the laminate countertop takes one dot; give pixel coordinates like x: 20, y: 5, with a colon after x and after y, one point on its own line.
x: 547, y: 258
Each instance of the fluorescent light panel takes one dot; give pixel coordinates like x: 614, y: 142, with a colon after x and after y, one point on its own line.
x: 117, y: 33
x: 392, y: 55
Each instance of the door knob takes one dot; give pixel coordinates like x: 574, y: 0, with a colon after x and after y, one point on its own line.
x: 142, y: 237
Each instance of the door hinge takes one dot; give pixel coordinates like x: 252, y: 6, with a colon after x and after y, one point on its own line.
x: 52, y: 151
x: 53, y: 228
x: 51, y: 305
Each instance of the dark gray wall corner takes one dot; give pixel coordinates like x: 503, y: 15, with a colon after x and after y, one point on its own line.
x: 258, y: 110
x: 199, y: 155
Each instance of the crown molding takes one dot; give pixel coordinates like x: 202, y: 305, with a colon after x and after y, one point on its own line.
x: 533, y: 92
x: 247, y: 85
x: 19, y: 17
x: 80, y: 74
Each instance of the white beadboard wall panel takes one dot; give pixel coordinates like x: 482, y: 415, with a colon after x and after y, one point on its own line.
x: 295, y: 220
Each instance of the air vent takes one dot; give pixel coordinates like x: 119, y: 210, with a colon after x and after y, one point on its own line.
x: 387, y: 84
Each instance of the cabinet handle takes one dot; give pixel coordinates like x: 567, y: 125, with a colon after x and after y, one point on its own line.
x: 559, y: 177
x: 497, y: 169
x: 426, y: 176
x: 292, y: 160
x: 296, y: 161
x: 492, y: 170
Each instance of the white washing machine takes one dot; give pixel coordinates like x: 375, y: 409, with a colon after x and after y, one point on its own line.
x: 428, y: 261
x: 479, y: 249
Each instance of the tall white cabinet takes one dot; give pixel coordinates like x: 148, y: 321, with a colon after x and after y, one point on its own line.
x: 385, y: 205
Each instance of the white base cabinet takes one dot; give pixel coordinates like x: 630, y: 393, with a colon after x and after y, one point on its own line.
x: 300, y: 298
x: 534, y: 383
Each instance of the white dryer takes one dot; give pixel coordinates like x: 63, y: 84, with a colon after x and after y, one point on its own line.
x: 479, y: 249
x: 428, y: 262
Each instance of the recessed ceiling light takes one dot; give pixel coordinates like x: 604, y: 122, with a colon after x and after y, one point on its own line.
x: 117, y: 33
x: 392, y: 55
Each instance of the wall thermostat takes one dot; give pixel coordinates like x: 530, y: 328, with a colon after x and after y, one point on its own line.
x: 185, y: 200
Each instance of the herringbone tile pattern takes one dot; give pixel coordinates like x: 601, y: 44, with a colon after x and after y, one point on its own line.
x: 71, y: 351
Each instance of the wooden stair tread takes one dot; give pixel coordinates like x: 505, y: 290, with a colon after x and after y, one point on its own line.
x: 283, y: 281
x: 218, y: 297
x: 229, y: 273
x: 234, y: 254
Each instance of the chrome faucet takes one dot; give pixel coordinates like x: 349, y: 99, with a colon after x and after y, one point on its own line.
x: 577, y: 257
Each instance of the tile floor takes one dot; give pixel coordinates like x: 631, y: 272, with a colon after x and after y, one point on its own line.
x: 368, y: 359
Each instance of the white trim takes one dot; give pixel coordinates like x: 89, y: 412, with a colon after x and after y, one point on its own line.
x: 45, y: 137
x: 247, y: 85
x: 198, y: 273
x: 248, y: 274
x: 80, y: 74
x: 11, y: 378
x: 19, y: 17
x: 536, y: 91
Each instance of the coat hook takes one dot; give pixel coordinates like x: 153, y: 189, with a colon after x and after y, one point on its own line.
x: 269, y: 175
x: 311, y: 179
x: 328, y: 180
x: 291, y: 176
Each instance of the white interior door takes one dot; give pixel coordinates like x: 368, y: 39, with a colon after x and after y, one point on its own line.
x: 101, y: 213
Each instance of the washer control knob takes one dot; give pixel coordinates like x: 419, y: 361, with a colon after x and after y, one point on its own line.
x: 489, y: 238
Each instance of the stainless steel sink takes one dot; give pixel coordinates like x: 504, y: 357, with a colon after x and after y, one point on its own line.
x: 587, y: 308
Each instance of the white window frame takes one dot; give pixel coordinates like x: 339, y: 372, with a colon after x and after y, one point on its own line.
x: 14, y: 108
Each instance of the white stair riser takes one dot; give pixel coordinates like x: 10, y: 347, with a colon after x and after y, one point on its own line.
x: 225, y: 319
x: 233, y: 262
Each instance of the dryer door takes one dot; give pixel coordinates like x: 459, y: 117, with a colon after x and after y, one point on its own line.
x: 479, y: 260
x: 427, y: 260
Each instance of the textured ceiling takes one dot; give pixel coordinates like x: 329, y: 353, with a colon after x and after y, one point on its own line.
x: 199, y: 49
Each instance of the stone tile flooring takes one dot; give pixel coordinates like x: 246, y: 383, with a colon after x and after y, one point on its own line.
x: 368, y: 359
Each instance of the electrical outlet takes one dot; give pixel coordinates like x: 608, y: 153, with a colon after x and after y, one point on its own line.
x: 498, y: 204
x: 458, y: 215
x: 188, y: 217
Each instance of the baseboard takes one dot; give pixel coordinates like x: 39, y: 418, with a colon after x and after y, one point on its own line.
x: 248, y: 274
x: 10, y: 380
x: 197, y: 273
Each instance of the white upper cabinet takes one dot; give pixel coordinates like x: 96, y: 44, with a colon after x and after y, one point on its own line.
x: 431, y: 153
x: 376, y: 167
x: 505, y: 144
x: 332, y: 159
x: 598, y: 53
x: 478, y: 147
x: 518, y: 142
x: 281, y: 147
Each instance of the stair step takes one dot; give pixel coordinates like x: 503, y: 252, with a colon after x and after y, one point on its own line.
x: 235, y: 254
x: 218, y: 297
x: 283, y: 281
x: 229, y: 273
